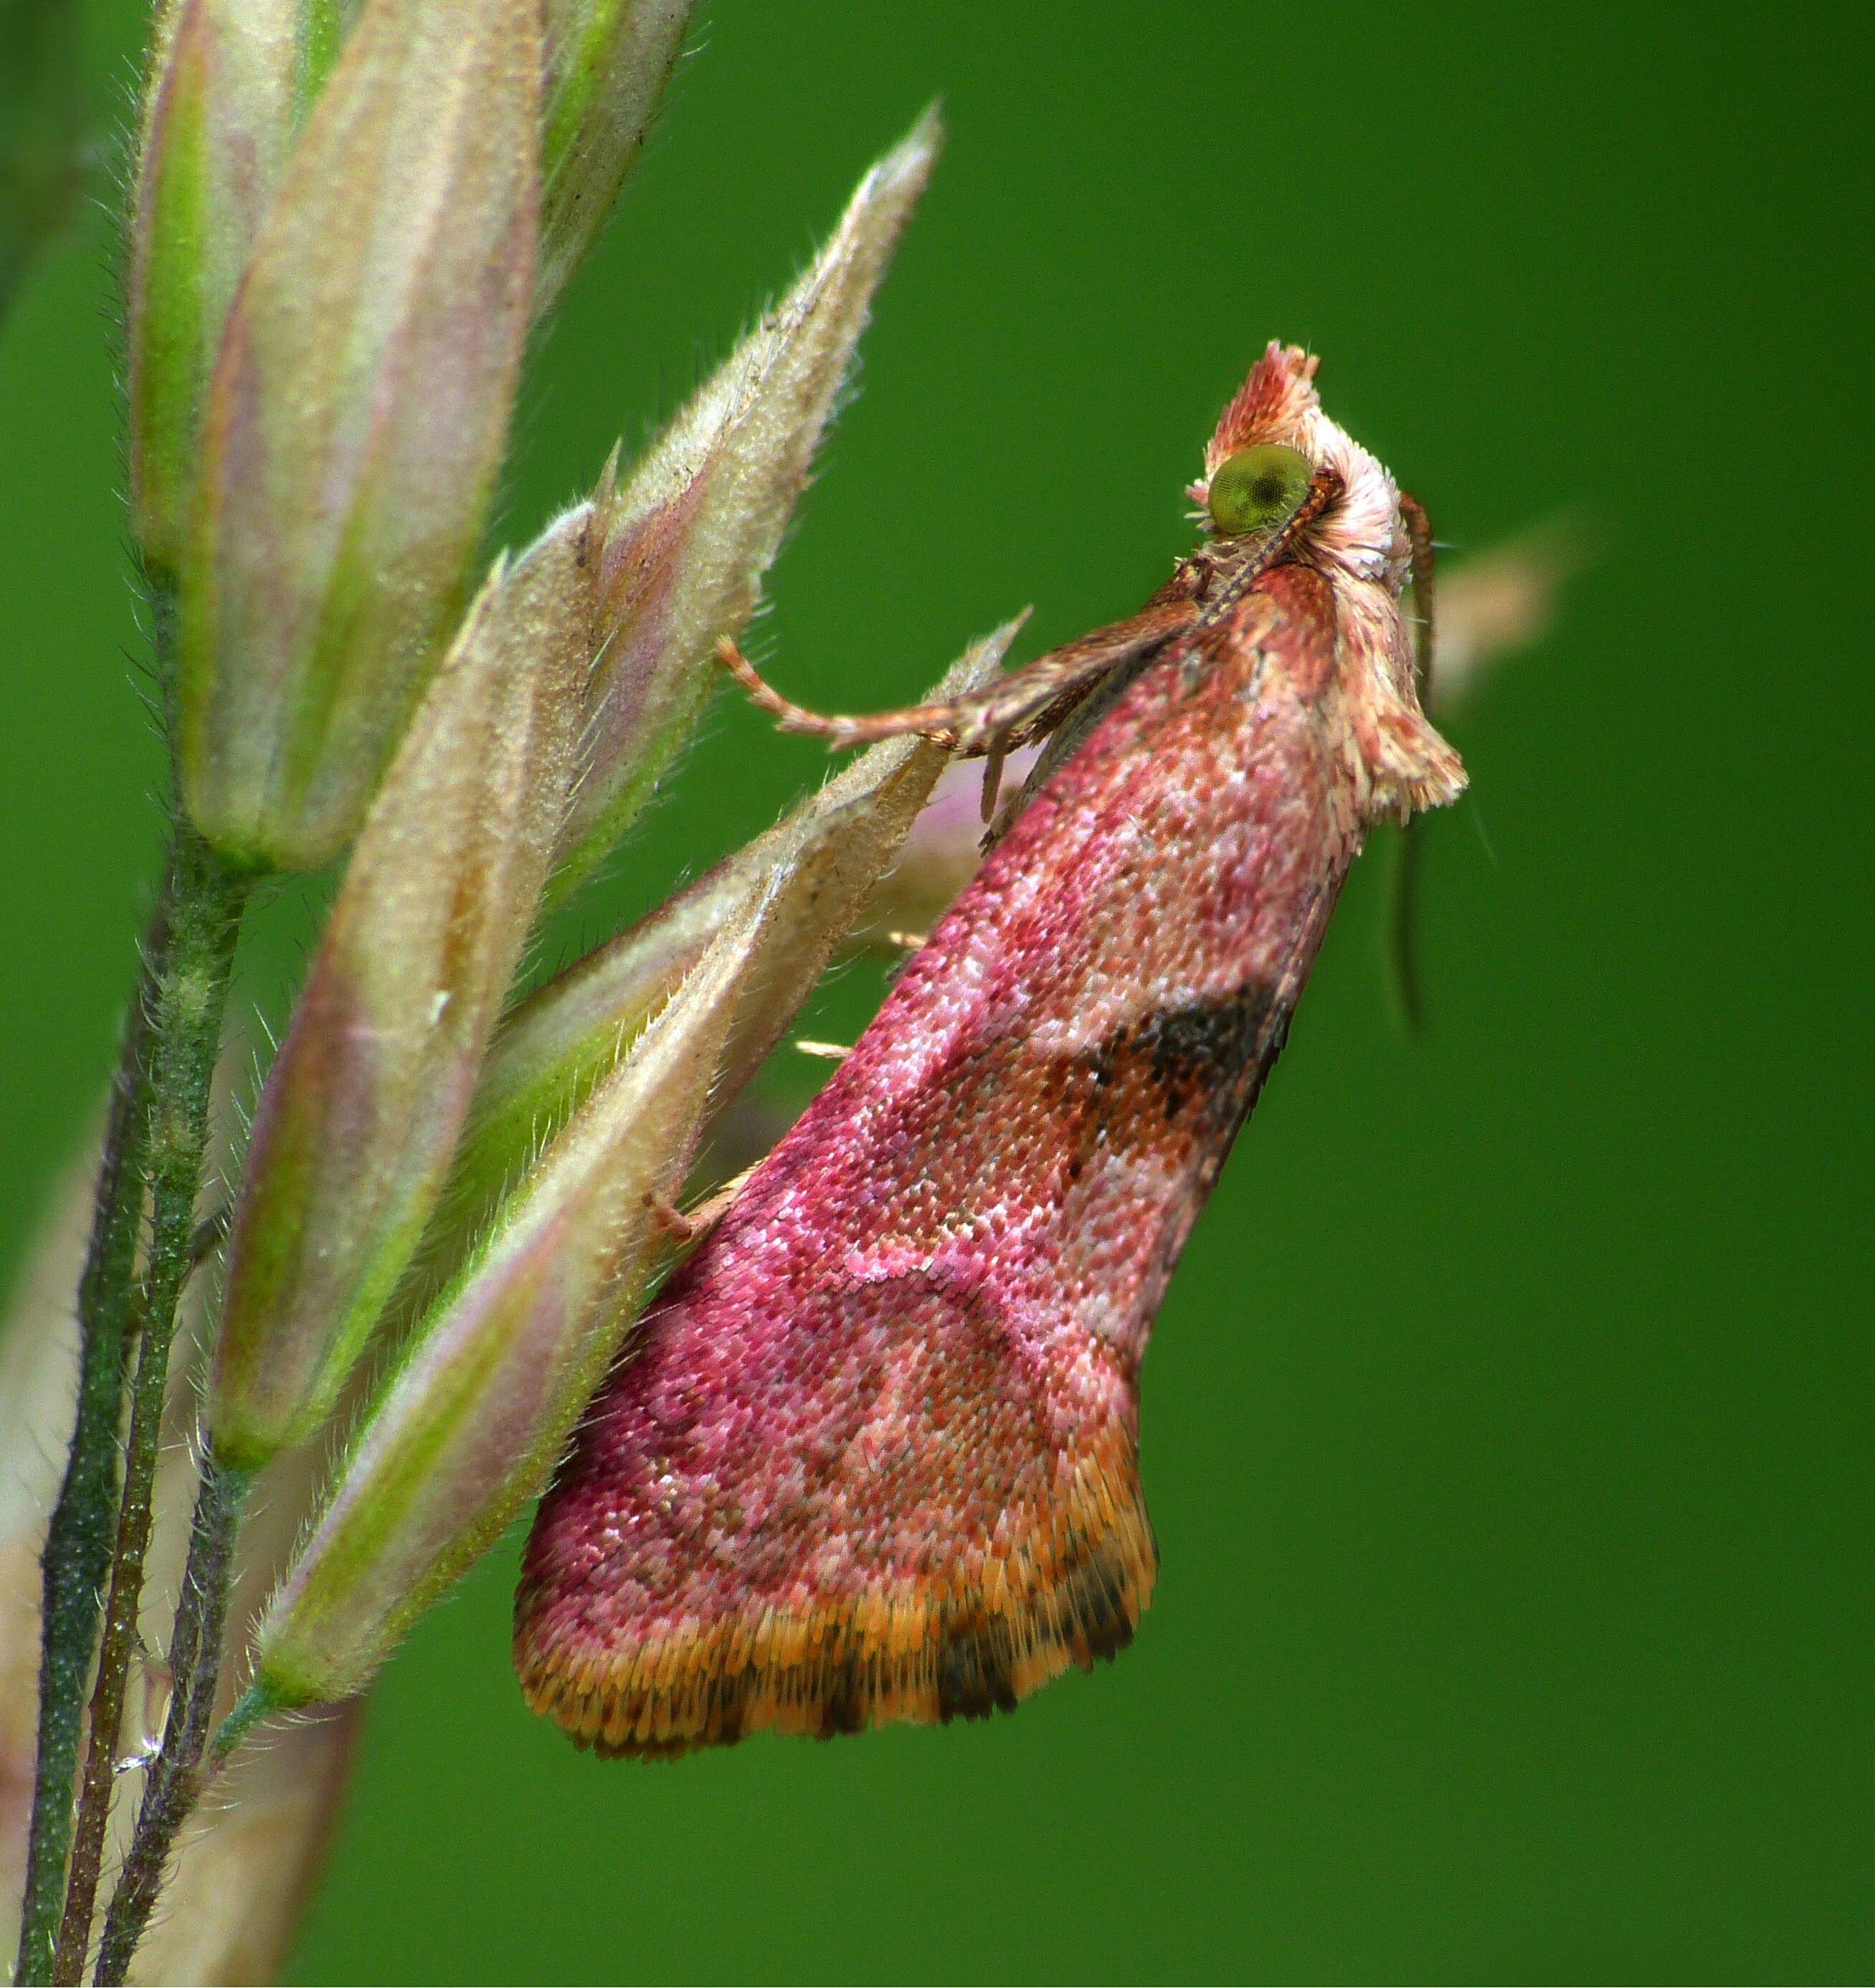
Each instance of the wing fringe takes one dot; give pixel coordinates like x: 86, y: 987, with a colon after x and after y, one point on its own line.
x: 964, y: 1642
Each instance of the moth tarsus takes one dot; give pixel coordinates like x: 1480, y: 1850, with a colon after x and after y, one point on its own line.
x: 876, y: 1456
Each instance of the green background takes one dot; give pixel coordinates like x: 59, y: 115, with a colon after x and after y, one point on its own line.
x: 1507, y: 1430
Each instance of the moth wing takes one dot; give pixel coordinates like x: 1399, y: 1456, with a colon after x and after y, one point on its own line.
x: 931, y: 1526
x: 874, y: 1458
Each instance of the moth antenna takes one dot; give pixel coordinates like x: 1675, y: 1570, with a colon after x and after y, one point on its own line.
x: 791, y: 717
x: 925, y: 720
x: 1017, y: 708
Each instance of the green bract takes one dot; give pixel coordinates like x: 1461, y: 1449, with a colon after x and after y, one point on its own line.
x: 607, y: 63
x: 356, y: 421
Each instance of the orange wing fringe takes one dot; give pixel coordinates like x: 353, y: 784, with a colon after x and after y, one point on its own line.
x: 1008, y: 1619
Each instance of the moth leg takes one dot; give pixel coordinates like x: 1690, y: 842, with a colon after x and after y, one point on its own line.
x: 670, y: 1219
x: 682, y: 1227
x: 707, y: 1213
x: 827, y: 1052
x: 992, y: 774
x: 1026, y: 703
x: 1403, y: 925
x: 1419, y: 534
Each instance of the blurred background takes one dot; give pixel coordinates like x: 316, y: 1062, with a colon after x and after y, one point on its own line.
x: 1507, y: 1430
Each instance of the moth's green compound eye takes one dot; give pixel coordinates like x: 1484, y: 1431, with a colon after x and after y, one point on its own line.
x: 1257, y: 488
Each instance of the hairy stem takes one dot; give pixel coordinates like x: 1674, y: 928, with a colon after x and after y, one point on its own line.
x: 207, y: 899
x: 78, y: 1546
x: 176, y: 1776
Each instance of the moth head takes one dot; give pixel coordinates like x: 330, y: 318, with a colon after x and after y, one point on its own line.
x: 1255, y: 487
x: 1277, y: 414
x: 1274, y: 431
x: 1258, y: 463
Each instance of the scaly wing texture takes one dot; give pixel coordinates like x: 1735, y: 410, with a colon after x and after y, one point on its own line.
x: 874, y: 1456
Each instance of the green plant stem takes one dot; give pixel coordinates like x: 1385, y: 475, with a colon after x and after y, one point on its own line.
x: 176, y: 1776
x: 207, y: 898
x: 255, y: 1705
x: 78, y: 1546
